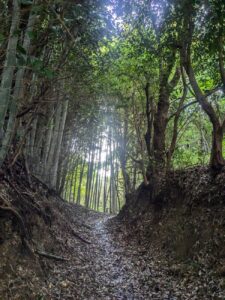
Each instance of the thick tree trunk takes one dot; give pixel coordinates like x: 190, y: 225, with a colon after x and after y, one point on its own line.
x: 217, y: 161
x: 6, y: 83
x: 161, y: 118
x: 160, y: 123
x: 10, y: 63
x: 17, y: 93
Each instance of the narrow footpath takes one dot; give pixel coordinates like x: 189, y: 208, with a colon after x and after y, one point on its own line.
x: 112, y: 267
x: 97, y: 260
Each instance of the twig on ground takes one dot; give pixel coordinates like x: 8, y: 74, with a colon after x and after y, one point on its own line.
x: 51, y: 256
x: 79, y: 237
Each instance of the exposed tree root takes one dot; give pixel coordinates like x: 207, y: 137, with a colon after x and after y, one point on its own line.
x: 18, y: 217
x: 6, y: 208
x: 24, y: 235
x: 30, y: 201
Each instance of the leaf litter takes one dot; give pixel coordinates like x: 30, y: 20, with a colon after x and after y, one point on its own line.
x: 104, y: 259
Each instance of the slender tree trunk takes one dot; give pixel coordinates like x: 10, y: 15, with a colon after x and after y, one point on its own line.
x: 92, y: 188
x: 75, y: 179
x: 117, y: 181
x: 134, y: 178
x: 80, y: 181
x: 105, y: 182
x: 73, y: 170
x: 172, y: 147
x: 97, y: 176
x: 56, y: 142
x: 217, y: 161
x: 92, y: 177
x: 66, y: 188
x: 113, y: 178
x: 141, y: 144
x: 99, y: 195
x: 32, y: 137
x: 89, y: 174
x: 47, y: 144
x: 87, y: 179
x: 59, y: 143
x: 123, y: 156
x: 150, y: 119
x: 63, y: 164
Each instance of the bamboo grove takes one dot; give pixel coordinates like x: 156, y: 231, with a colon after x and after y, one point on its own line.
x: 97, y: 97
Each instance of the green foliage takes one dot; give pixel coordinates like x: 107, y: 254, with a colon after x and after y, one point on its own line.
x: 107, y: 57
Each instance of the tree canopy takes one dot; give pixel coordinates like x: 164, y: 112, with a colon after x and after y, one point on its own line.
x: 98, y: 96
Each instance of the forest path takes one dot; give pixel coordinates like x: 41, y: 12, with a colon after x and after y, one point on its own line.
x: 122, y: 270
x: 103, y: 262
x: 113, y: 267
x: 99, y: 260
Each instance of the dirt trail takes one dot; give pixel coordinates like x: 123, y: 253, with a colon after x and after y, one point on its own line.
x: 104, y: 264
x: 101, y: 256
x: 126, y: 271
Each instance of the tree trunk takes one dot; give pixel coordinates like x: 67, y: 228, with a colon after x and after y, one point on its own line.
x: 64, y: 162
x: 47, y: 143
x: 80, y: 180
x: 172, y: 146
x: 217, y: 161
x: 123, y: 155
x: 10, y: 63
x: 150, y: 119
x: 161, y: 117
x: 75, y: 162
x: 59, y: 143
x: 17, y: 93
x: 105, y: 180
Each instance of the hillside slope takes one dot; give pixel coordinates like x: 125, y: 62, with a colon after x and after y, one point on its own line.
x: 185, y: 222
